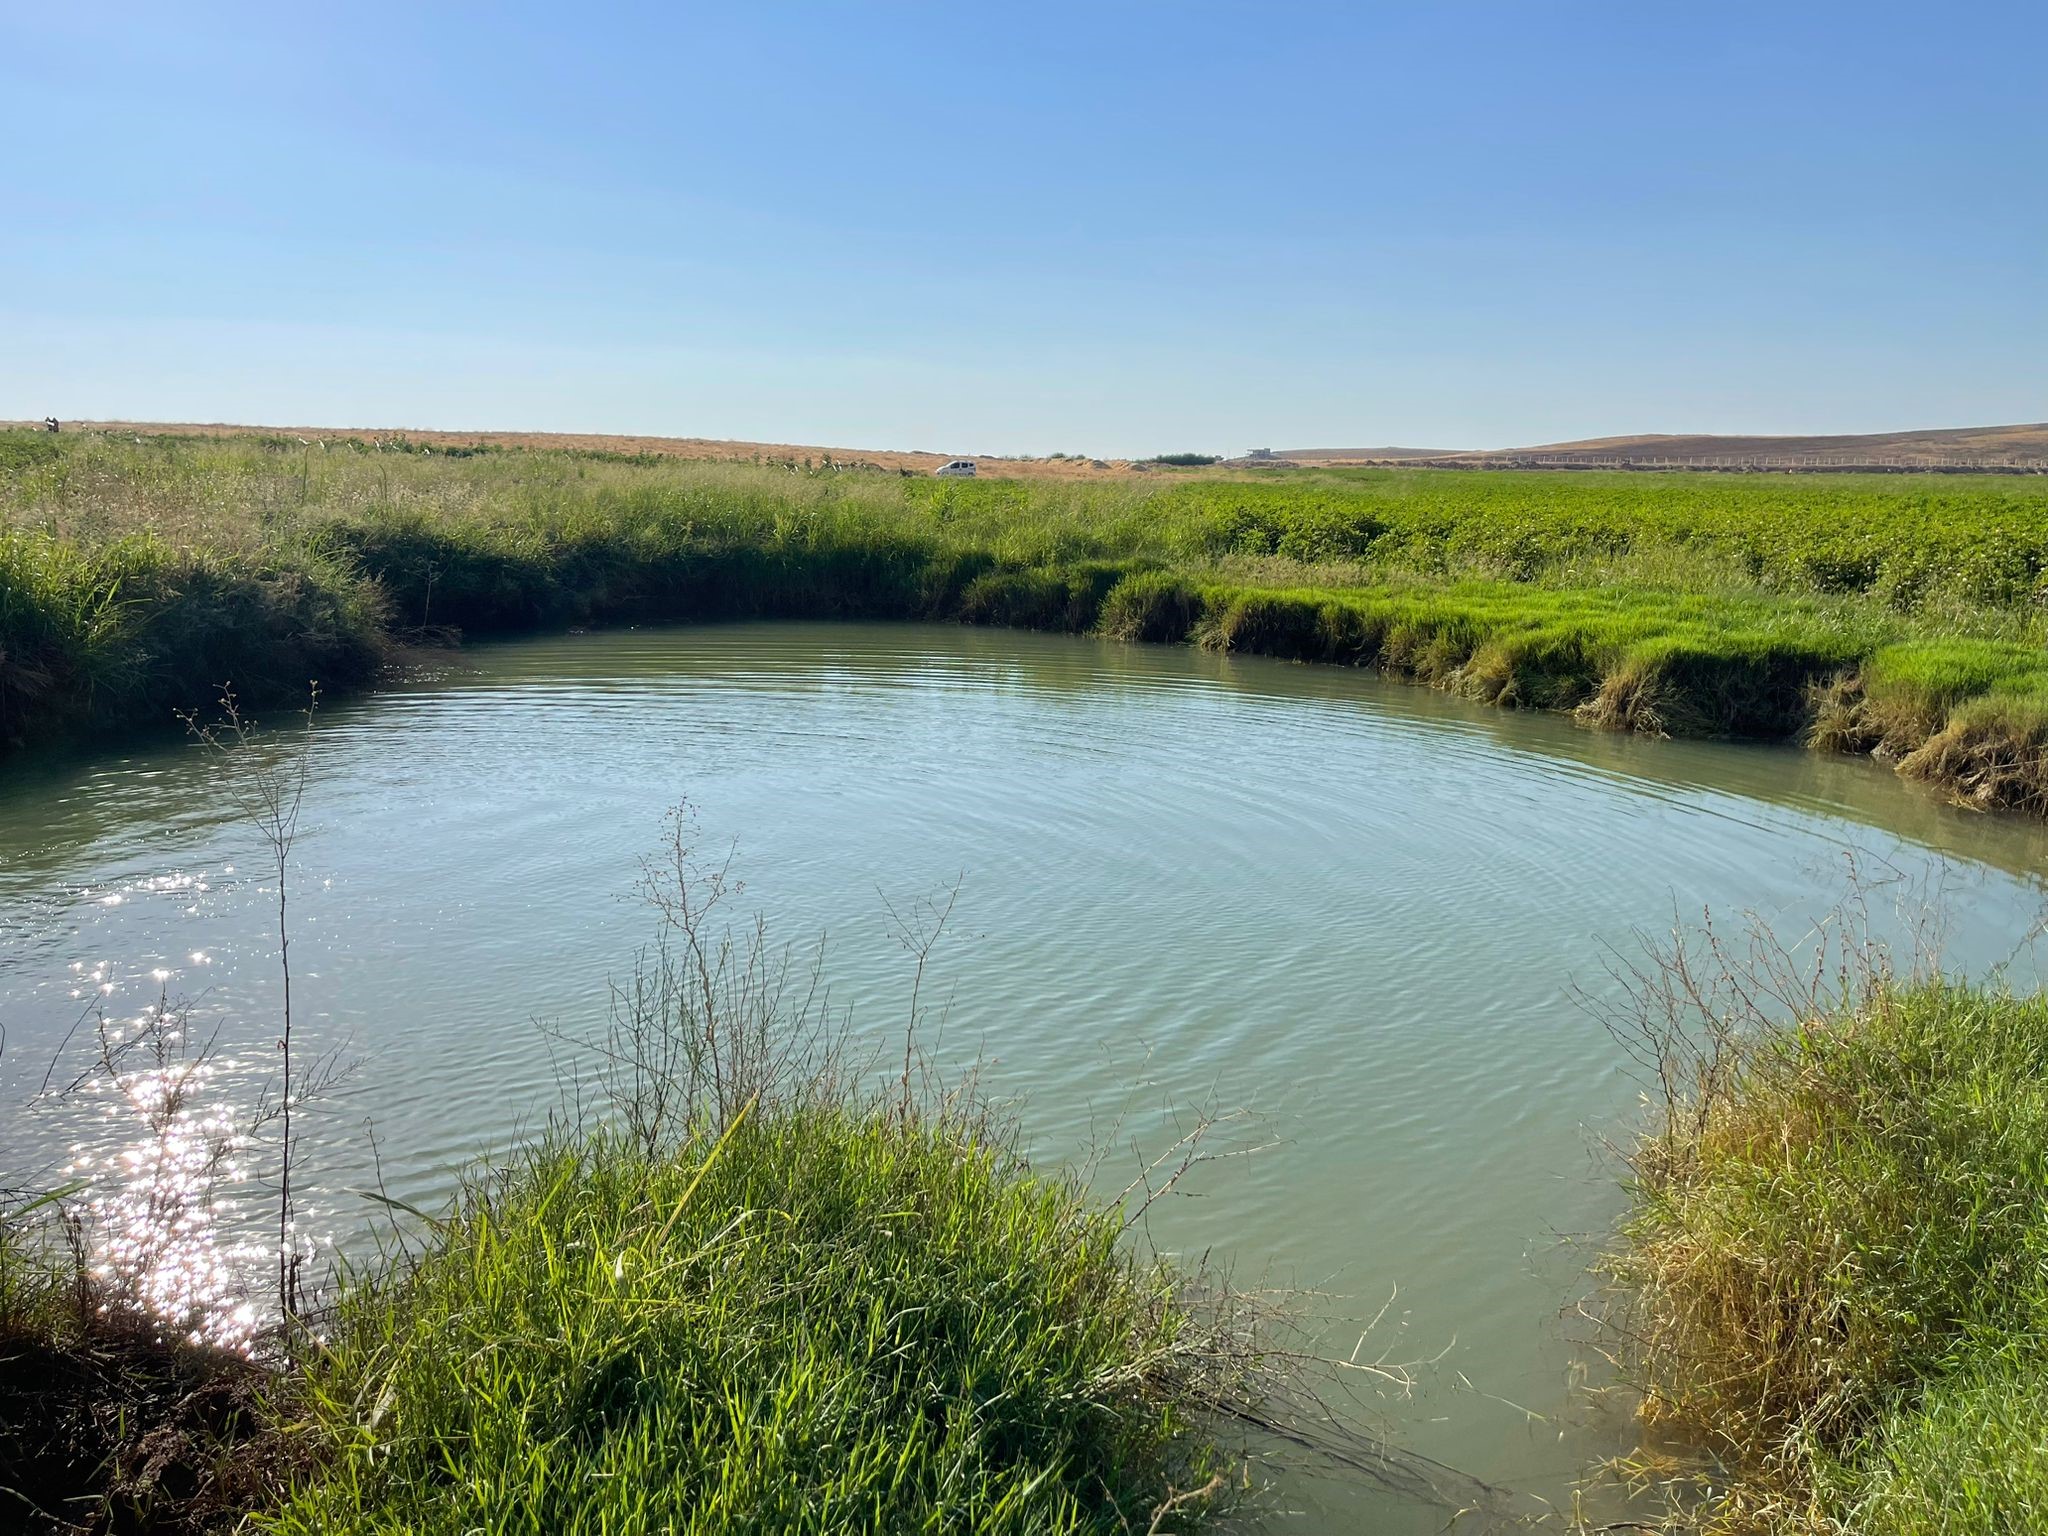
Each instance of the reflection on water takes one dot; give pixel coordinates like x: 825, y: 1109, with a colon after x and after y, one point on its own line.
x: 1354, y: 907
x: 159, y: 1160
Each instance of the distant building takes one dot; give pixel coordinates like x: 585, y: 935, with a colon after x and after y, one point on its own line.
x: 1256, y: 454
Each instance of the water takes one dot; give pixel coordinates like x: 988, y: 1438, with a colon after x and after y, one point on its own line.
x: 1352, y: 907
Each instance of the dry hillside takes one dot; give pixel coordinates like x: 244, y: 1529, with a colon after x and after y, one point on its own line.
x: 2021, y: 447
x: 2011, y: 447
x: 916, y: 461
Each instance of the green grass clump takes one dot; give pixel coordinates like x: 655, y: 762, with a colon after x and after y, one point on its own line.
x: 1856, y: 612
x: 1839, y: 1255
x: 828, y: 1321
x: 1969, y: 1459
x: 135, y: 631
x: 833, y: 1315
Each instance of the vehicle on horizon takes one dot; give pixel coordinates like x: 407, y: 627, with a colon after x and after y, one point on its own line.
x: 956, y: 467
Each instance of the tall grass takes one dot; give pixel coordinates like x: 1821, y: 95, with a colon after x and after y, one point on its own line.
x: 1835, y: 1274
x: 825, y: 1316
x: 816, y: 1320
x: 1859, y: 613
x: 137, y: 631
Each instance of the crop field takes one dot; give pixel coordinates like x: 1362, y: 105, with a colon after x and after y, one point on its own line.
x: 1895, y: 614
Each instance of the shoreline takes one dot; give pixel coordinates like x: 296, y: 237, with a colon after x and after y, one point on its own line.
x: 114, y: 617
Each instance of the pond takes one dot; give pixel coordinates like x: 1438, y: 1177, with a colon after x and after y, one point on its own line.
x: 1354, y: 909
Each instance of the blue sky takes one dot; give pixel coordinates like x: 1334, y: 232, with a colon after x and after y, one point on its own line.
x: 1110, y: 228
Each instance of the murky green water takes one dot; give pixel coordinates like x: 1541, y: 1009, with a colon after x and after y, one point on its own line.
x: 1354, y: 907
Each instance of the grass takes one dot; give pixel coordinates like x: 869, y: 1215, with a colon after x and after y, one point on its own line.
x: 824, y: 1318
x: 825, y: 1322
x: 1882, y: 613
x: 1967, y: 1458
x: 736, y: 1291
x: 1838, y: 1266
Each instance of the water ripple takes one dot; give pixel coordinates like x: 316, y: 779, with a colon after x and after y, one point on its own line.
x: 1354, y: 906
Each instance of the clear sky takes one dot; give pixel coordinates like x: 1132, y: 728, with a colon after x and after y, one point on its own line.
x: 1107, y: 228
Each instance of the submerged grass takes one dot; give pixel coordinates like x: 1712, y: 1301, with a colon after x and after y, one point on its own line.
x: 1838, y: 1267
x: 1859, y: 613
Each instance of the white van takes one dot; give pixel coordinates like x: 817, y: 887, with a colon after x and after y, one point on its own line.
x: 956, y: 467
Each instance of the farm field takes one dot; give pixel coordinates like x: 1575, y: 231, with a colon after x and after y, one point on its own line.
x: 633, y: 445
x: 1887, y: 614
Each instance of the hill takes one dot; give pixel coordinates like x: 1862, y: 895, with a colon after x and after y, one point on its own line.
x: 2018, y: 448
x: 630, y: 445
x: 1362, y: 455
x: 2023, y: 446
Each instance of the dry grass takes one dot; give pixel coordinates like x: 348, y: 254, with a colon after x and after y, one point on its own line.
x: 1830, y: 1282
x: 1988, y: 764
x: 634, y: 445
